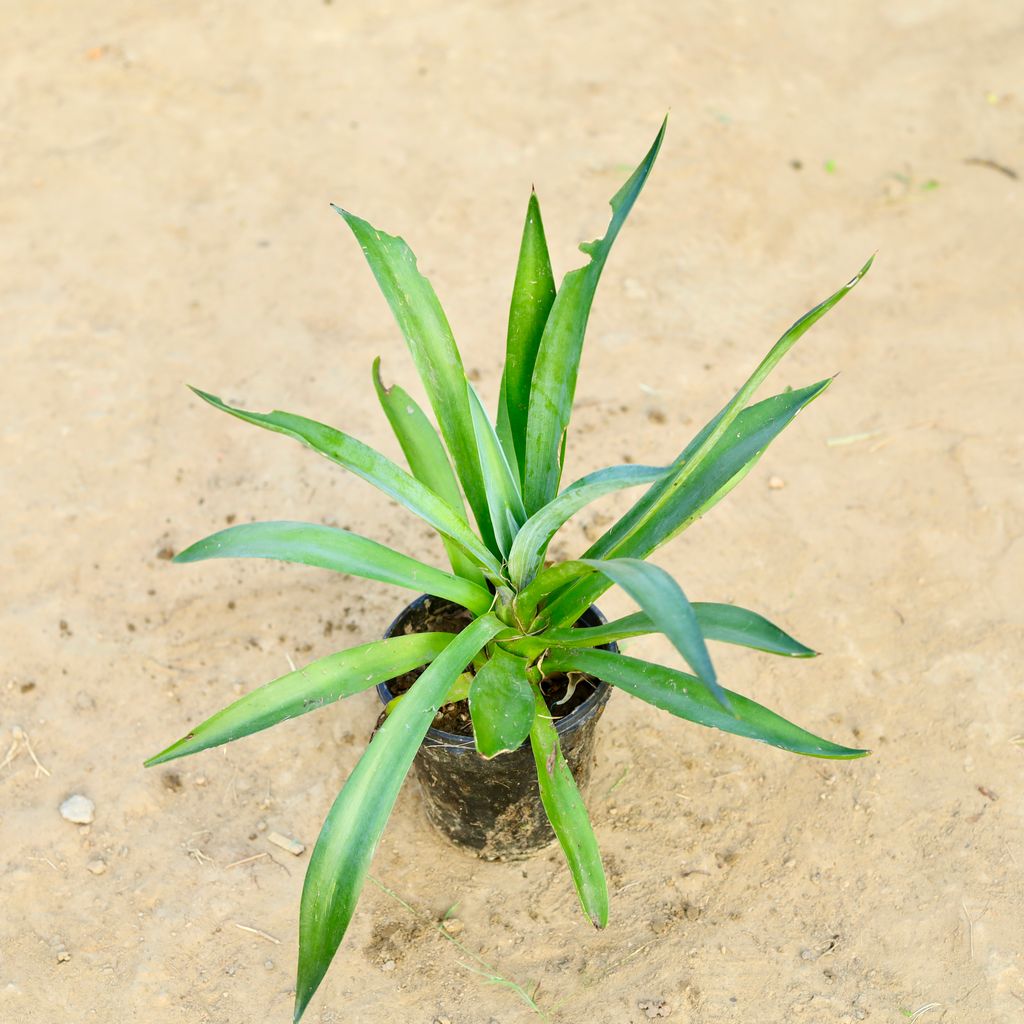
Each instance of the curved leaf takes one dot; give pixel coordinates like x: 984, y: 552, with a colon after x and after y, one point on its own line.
x: 532, y: 295
x: 726, y: 623
x: 661, y: 597
x: 374, y: 468
x: 686, y: 697
x: 636, y: 537
x: 553, y: 385
x: 427, y: 459
x: 705, y: 447
x: 568, y: 815
x: 427, y: 333
x: 531, y: 543
x: 332, y: 548
x: 657, y: 593
x: 323, y: 682
x: 349, y: 838
x: 501, y: 704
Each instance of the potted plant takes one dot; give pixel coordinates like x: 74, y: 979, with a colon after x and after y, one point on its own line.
x: 505, y: 645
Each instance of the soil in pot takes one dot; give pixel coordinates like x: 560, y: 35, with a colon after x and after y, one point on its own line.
x: 493, y: 806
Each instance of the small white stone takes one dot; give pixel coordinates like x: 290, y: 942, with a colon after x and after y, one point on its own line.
x: 97, y: 866
x: 79, y: 809
x: 776, y: 483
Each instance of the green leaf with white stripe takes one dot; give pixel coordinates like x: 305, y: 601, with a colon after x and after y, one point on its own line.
x: 687, y: 697
x: 341, y: 551
x: 352, y: 831
x: 425, y: 328
x: 726, y: 623
x: 531, y: 543
x: 568, y: 815
x: 553, y: 385
x: 707, y: 442
x: 375, y: 469
x: 323, y: 682
x: 427, y: 459
x: 636, y: 536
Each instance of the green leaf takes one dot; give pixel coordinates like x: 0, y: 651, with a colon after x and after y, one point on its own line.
x: 427, y: 459
x: 568, y: 815
x: 373, y: 467
x: 532, y: 295
x: 553, y: 385
x: 331, y: 548
x: 501, y: 704
x: 687, y: 697
x: 726, y: 623
x: 730, y: 624
x: 531, y: 543
x: 425, y: 327
x: 323, y: 682
x: 504, y: 502
x: 661, y: 597
x: 638, y: 534
x: 706, y: 447
x: 349, y: 838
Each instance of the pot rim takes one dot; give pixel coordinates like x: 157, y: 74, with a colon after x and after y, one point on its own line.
x: 578, y: 715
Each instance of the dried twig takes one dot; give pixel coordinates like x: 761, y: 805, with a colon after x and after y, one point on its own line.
x: 20, y: 740
x: 246, y: 860
x: 20, y: 734
x: 257, y: 931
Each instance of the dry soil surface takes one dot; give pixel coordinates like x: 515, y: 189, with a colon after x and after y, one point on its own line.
x: 167, y: 171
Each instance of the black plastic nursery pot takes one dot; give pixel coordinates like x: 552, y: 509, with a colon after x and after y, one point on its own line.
x: 493, y: 806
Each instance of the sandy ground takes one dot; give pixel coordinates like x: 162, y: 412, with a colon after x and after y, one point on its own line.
x: 166, y: 178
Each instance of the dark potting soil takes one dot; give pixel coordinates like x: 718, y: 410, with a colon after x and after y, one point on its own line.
x: 442, y: 616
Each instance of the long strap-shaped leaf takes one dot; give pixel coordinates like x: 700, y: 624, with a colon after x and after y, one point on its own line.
x: 553, y: 385
x: 532, y: 295
x: 657, y: 593
x: 527, y: 554
x: 753, y: 430
x: 427, y: 333
x: 323, y: 682
x: 427, y: 459
x: 694, y: 458
x: 686, y: 697
x: 727, y: 623
x: 331, y: 548
x: 568, y: 815
x: 504, y: 501
x: 373, y: 467
x: 349, y: 838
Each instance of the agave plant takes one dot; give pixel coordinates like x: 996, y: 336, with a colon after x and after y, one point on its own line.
x: 524, y: 611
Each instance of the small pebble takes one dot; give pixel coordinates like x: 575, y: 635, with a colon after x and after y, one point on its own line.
x: 776, y: 483
x: 79, y: 809
x: 388, y: 965
x: 269, y: 964
x: 63, y: 956
x: 453, y: 926
x: 293, y: 846
x: 97, y: 867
